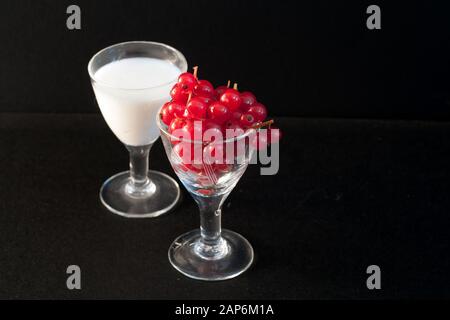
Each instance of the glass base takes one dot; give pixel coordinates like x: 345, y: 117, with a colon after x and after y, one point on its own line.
x: 157, y: 198
x: 183, y: 255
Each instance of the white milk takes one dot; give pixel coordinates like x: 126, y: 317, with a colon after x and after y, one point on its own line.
x: 130, y: 92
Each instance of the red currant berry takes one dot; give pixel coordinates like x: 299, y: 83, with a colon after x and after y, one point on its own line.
x: 204, y: 88
x: 193, y: 130
x: 179, y: 95
x: 212, y: 132
x: 218, y: 112
x: 219, y: 91
x: 247, y: 119
x: 205, y: 100
x: 231, y: 99
x: 230, y: 123
x: 248, y: 99
x: 258, y: 111
x: 211, y: 124
x: 236, y: 115
x: 187, y: 81
x: 176, y: 109
x: 196, y: 109
x: 176, y: 124
x: 232, y: 129
x: 166, y: 116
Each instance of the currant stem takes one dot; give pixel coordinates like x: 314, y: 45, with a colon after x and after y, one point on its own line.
x: 228, y: 83
x: 263, y: 124
x: 195, y: 72
x: 235, y: 86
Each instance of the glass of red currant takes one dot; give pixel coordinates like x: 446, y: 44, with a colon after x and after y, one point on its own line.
x: 210, y: 136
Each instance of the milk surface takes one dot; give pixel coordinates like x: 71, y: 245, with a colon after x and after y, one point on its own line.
x: 130, y: 92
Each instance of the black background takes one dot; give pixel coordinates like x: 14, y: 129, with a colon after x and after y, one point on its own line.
x: 301, y: 58
x: 350, y: 192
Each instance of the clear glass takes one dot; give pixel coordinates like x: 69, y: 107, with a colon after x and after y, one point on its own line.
x: 130, y: 114
x: 209, y: 253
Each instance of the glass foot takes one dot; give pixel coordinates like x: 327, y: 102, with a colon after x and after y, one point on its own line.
x: 238, y: 256
x: 161, y: 195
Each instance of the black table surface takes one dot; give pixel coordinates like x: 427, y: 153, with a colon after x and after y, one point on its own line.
x: 349, y: 194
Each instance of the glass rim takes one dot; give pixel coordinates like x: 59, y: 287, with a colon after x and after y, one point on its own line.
x: 104, y: 84
x: 162, y: 126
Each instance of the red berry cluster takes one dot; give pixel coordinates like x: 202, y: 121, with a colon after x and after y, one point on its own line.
x: 218, y: 109
x: 199, y: 111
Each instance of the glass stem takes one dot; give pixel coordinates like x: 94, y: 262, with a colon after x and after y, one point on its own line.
x: 139, y: 185
x: 211, y: 245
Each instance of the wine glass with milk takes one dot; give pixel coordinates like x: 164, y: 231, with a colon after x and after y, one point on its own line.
x: 131, y: 81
